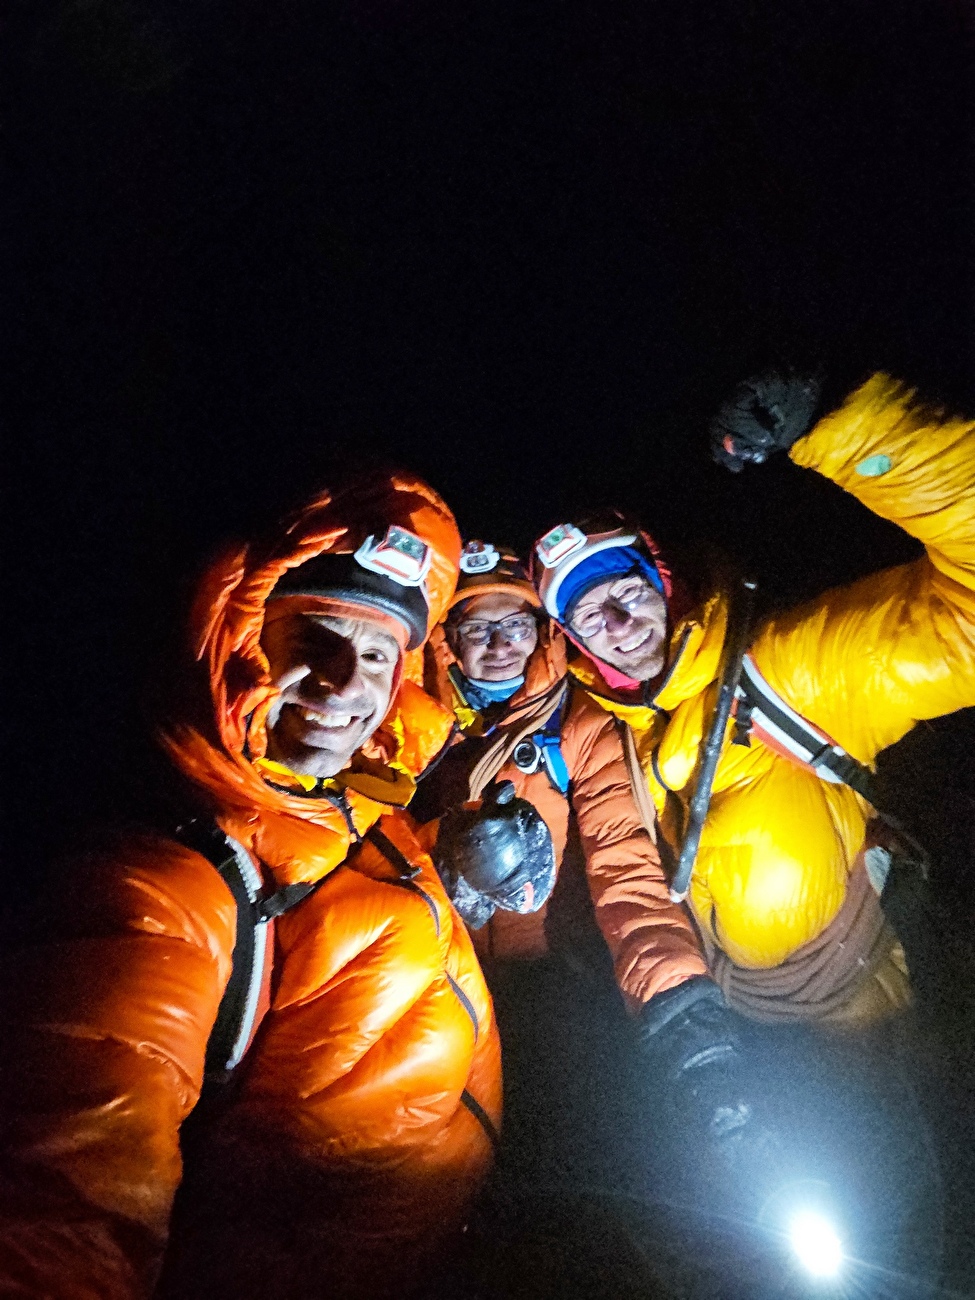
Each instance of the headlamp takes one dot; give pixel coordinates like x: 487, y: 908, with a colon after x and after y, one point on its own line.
x: 564, y: 548
x: 479, y: 557
x: 802, y: 1216
x: 816, y: 1243
x: 400, y: 555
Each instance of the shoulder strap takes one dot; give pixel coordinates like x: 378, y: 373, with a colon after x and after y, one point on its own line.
x: 549, y: 741
x: 508, y: 738
x: 764, y: 713
x: 246, y: 996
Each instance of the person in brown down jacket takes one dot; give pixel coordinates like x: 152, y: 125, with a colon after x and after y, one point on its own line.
x: 578, y: 956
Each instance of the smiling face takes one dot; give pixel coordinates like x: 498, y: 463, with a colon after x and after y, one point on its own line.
x: 498, y: 659
x: 336, y: 679
x: 633, y: 637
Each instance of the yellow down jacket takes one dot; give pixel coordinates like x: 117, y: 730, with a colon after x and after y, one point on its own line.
x: 864, y: 662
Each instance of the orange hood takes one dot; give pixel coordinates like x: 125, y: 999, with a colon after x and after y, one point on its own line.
x: 219, y: 724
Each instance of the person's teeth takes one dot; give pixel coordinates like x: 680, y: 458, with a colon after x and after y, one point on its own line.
x: 335, y: 720
x: 630, y: 648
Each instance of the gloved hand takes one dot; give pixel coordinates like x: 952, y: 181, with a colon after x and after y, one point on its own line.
x: 499, y: 855
x: 764, y: 414
x: 689, y: 1040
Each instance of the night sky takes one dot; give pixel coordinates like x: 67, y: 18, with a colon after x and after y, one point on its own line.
x: 523, y: 248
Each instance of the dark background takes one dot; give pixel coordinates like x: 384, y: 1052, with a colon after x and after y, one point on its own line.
x: 523, y: 248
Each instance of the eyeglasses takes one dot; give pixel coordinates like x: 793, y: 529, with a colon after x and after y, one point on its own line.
x: 630, y: 595
x: 516, y: 627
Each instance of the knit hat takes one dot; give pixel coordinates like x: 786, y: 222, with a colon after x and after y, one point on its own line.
x: 343, y: 581
x: 603, y: 566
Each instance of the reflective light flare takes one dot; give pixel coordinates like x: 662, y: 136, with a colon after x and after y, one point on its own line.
x: 816, y: 1244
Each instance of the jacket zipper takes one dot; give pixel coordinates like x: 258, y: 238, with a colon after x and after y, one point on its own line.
x: 672, y: 669
x: 339, y: 800
x: 395, y: 855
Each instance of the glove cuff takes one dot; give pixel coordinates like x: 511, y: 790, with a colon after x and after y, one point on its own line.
x: 664, y: 1007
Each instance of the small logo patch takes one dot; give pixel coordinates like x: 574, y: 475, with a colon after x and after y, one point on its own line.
x: 874, y: 466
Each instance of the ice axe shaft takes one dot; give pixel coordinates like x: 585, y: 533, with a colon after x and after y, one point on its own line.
x: 735, y: 645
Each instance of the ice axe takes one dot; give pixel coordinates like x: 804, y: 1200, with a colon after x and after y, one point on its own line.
x: 735, y: 644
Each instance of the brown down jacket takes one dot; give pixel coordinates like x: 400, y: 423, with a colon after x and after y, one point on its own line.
x: 604, y: 850
x: 356, y: 1130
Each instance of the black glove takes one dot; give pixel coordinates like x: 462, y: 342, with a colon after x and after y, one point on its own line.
x: 689, y: 1039
x: 497, y: 856
x: 765, y: 414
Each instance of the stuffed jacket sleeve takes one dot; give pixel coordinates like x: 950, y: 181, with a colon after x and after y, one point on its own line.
x: 105, y: 1029
x: 868, y: 660
x: 652, y: 942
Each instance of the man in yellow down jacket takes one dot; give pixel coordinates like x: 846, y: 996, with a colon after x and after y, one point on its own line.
x: 785, y: 886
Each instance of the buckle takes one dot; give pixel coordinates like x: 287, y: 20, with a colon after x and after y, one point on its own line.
x: 527, y: 756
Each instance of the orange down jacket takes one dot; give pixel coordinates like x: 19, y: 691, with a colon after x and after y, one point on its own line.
x: 357, y: 1128
x: 599, y: 837
x: 863, y: 662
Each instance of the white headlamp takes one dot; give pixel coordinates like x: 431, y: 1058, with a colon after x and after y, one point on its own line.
x: 563, y: 548
x: 479, y: 557
x: 400, y: 555
x: 559, y: 543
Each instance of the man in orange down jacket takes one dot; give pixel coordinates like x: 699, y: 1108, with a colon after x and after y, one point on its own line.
x: 551, y: 941
x: 342, y: 1154
x: 786, y: 881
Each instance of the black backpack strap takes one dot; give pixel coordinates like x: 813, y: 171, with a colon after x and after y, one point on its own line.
x: 396, y: 857
x: 239, y: 1010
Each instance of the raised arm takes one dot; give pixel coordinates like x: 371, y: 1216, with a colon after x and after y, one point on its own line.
x: 868, y: 660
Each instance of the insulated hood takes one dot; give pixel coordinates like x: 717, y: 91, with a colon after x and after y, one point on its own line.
x: 217, y: 723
